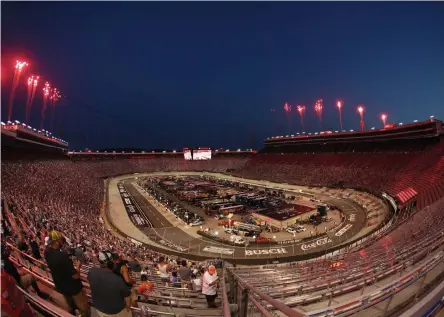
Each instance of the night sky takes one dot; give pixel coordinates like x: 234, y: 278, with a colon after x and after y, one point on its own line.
x: 172, y: 74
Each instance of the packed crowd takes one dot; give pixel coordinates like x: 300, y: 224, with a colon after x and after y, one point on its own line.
x: 422, y: 171
x: 54, y: 197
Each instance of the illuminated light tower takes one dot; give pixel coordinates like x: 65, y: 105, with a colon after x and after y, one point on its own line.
x: 301, y: 110
x: 384, y: 119
x: 339, y: 105
x: 361, y: 114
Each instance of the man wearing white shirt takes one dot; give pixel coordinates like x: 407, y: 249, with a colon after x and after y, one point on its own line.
x: 210, y: 282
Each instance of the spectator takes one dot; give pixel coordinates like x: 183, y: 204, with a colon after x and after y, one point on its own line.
x: 80, y: 253
x: 185, y: 275
x: 173, y: 279
x: 13, y: 300
x: 22, y: 246
x: 145, y: 287
x: 197, y: 283
x: 164, y: 270
x: 23, y: 280
x: 109, y: 293
x: 66, y: 278
x: 209, y: 286
x: 121, y: 269
x: 35, y: 250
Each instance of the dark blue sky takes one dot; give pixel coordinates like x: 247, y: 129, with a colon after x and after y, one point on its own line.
x: 171, y: 74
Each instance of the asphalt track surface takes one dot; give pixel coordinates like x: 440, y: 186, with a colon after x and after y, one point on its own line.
x: 254, y: 253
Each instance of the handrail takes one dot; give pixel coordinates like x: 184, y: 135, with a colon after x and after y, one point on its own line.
x: 259, y: 306
x: 44, y: 304
x: 226, y: 304
x: 287, y: 311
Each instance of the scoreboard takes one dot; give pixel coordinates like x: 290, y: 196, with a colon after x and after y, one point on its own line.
x: 199, y: 154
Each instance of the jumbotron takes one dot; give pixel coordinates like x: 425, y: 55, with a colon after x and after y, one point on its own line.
x: 332, y: 224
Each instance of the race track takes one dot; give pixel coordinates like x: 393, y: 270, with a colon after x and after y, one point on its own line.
x: 156, y: 225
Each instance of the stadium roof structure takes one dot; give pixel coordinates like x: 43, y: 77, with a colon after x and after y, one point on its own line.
x: 418, y: 130
x: 21, y: 135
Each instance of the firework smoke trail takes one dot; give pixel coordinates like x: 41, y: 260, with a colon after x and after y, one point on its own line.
x: 45, y: 102
x: 31, y: 93
x: 19, y: 69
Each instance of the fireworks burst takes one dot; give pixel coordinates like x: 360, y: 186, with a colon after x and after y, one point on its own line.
x: 361, y: 114
x: 287, y: 109
x: 301, y: 110
x: 32, y: 86
x: 339, y: 104
x: 318, y: 108
x: 19, y: 69
x: 55, y: 96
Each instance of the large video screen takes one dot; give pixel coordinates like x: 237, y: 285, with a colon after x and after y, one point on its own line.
x: 187, y: 154
x: 202, y: 154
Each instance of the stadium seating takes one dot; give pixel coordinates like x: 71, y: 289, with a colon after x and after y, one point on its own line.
x: 67, y: 195
x: 421, y: 171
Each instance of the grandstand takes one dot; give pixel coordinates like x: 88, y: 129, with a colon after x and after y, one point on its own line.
x: 45, y: 187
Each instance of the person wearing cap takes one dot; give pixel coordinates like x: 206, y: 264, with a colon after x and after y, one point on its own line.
x: 109, y: 293
x: 65, y: 275
x: 210, y: 282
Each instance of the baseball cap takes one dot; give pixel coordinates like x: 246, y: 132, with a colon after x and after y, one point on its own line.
x: 54, y: 236
x: 105, y: 257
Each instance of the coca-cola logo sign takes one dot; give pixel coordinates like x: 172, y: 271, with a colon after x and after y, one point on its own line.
x: 315, y: 244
